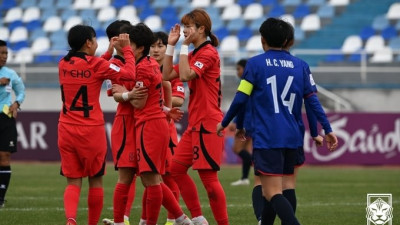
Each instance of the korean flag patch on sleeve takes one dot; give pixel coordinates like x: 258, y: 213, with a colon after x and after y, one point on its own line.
x: 198, y: 64
x: 180, y: 89
x: 115, y: 67
x: 312, y: 80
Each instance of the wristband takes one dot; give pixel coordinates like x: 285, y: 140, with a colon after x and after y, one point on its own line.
x: 184, y: 50
x: 170, y: 50
x: 165, y: 109
x: 125, y: 96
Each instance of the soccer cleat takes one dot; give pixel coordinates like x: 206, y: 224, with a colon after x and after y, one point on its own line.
x: 200, y: 220
x: 259, y: 222
x: 142, y: 222
x: 71, y: 221
x: 108, y: 221
x: 170, y: 222
x: 184, y: 221
x: 241, y: 182
x: 126, y: 222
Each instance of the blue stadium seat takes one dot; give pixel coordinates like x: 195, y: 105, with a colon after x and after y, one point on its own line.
x: 367, y: 32
x: 36, y: 33
x: 244, y: 34
x: 8, y: 4
x: 46, y: 4
x: 58, y: 35
x: 394, y: 43
x: 44, y: 58
x: 326, y: 11
x: 389, y: 32
x: 217, y: 23
x: 120, y: 3
x: 47, y: 13
x: 34, y: 24
x: 397, y: 58
x: 100, y: 32
x: 15, y: 24
x: 168, y: 24
x: 277, y: 11
x: 180, y: 3
x: 169, y: 13
x: 245, y: 3
x: 380, y: 22
x: 160, y: 3
x: 67, y: 13
x: 27, y: 3
x: 235, y: 24
x: 19, y: 45
x: 268, y: 2
x: 146, y: 12
x: 301, y: 11
x: 298, y: 34
x: 141, y: 4
x: 316, y: 2
x: 221, y: 33
x: 88, y: 14
x: 355, y: 57
x: 255, y: 24
x: 291, y: 2
x: 64, y: 4
x: 397, y: 26
x: 334, y: 58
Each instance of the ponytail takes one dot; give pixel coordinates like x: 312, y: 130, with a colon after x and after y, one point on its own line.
x: 214, y: 39
x: 69, y: 54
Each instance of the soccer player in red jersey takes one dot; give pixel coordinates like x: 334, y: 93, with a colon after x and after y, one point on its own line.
x: 152, y: 130
x: 199, y: 146
x: 157, y: 51
x: 81, y: 133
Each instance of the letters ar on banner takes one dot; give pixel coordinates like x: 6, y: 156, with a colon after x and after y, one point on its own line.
x: 364, y: 138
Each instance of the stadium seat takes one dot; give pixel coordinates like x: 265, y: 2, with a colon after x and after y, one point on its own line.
x: 106, y: 13
x: 311, y: 22
x: 298, y: 34
x: 255, y: 24
x: 287, y: 3
x: 98, y: 4
x: 380, y: 22
x: 146, y: 12
x: 221, y: 33
x: 36, y: 33
x: 23, y: 56
x: 4, y: 33
x: 153, y: 22
x: 128, y: 13
x: 58, y: 35
x: 355, y: 57
x: 389, y: 32
x: 45, y: 57
x: 18, y: 34
x: 63, y: 4
x: 47, y: 13
x: 27, y: 3
x: 253, y: 11
x: 34, y: 24
x: 13, y: 14
x: 217, y: 23
x: 119, y: 3
x: 31, y: 13
x: 212, y: 13
x: 180, y: 3
x: 301, y: 11
x: 19, y: 45
x: 374, y: 43
x: 88, y: 14
x: 161, y: 4
x: 326, y: 11
x: 334, y: 58
x: 46, y: 4
x: 316, y: 2
x: 231, y: 12
x: 200, y: 3
x: 72, y: 21
x: 384, y: 55
x: 268, y: 2
x: 235, y: 24
x: 245, y: 3
x: 394, y: 43
x: 352, y: 44
x: 14, y: 24
x: 397, y: 26
x: 141, y: 4
x: 229, y: 44
x: 289, y: 18
x: 103, y: 45
x: 339, y: 2
x: 367, y: 32
x: 223, y: 3
x: 393, y: 12
x: 67, y: 13
x: 59, y: 45
x: 82, y: 4
x: 8, y: 4
x: 277, y: 11
x: 40, y: 45
x: 168, y: 13
x: 254, y: 44
x: 244, y: 34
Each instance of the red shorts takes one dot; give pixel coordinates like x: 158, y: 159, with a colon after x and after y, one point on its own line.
x: 172, y: 144
x: 123, y: 141
x: 151, y: 145
x: 201, y: 149
x: 83, y: 150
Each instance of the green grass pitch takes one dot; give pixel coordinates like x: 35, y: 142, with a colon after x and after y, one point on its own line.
x: 325, y: 195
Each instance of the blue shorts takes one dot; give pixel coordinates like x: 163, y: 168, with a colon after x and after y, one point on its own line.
x: 300, y: 159
x: 275, y: 162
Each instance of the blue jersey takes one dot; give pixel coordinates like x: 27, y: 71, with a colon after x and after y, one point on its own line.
x: 15, y: 85
x: 280, y: 81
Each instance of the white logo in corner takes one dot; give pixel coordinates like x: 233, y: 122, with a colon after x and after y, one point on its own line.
x: 379, y: 209
x: 312, y: 80
x: 114, y: 67
x: 198, y: 64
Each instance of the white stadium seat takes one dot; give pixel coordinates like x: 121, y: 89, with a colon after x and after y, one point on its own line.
x: 224, y: 3
x: 52, y: 24
x: 232, y: 12
x: 374, y: 43
x: 254, y: 44
x: 40, y: 45
x: 4, y: 33
x: 352, y: 44
x: 253, y: 11
x: 338, y: 2
x: 230, y: 44
x: 106, y: 13
x: 72, y: 21
x: 98, y: 4
x: 31, y: 13
x: 19, y: 34
x: 129, y: 13
x: 289, y: 18
x: 103, y: 43
x: 24, y: 55
x: 13, y: 14
x: 153, y: 22
x: 311, y: 22
x: 82, y: 4
x: 200, y: 3
x: 384, y: 55
x: 394, y: 11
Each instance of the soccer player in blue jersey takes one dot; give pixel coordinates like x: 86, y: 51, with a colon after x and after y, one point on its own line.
x: 275, y: 83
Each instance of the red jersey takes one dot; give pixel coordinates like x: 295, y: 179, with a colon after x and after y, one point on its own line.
x: 81, y: 79
x: 148, y: 75
x: 205, y: 90
x: 123, y: 108
x: 177, y: 88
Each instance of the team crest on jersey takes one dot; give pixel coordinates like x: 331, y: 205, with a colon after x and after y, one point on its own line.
x: 199, y: 64
x: 180, y: 89
x: 312, y: 80
x: 139, y: 83
x: 115, y: 67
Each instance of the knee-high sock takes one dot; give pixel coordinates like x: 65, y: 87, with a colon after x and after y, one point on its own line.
x: 268, y: 213
x: 95, y: 203
x: 246, y: 163
x: 169, y: 181
x: 131, y: 197
x: 144, y: 197
x: 119, y: 202
x: 5, y: 176
x: 71, y: 201
x: 216, y: 195
x: 290, y: 195
x: 170, y: 203
x: 258, y: 202
x: 284, y: 210
x: 153, y: 203
x: 187, y: 188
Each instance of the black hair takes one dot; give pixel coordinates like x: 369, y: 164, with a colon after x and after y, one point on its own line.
x: 114, y: 29
x: 242, y: 63
x: 77, y: 37
x: 290, y: 35
x: 141, y: 35
x: 3, y: 43
x: 160, y: 35
x: 275, y: 32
